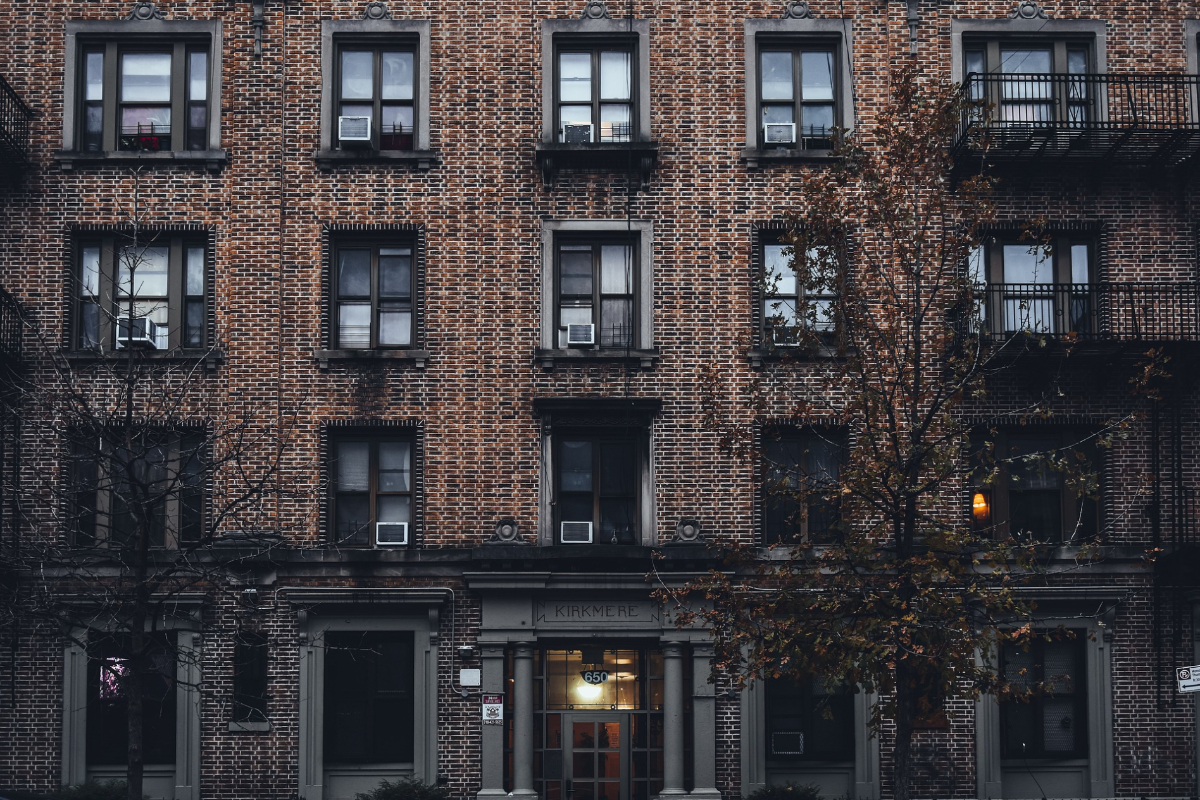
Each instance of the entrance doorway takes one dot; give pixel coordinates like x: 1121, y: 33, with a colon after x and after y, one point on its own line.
x: 596, y: 756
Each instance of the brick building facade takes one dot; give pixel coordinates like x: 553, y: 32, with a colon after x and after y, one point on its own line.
x: 495, y: 315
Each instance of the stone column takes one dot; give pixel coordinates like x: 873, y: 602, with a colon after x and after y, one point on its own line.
x: 672, y: 720
x: 492, y: 745
x: 523, y: 720
x: 704, y: 725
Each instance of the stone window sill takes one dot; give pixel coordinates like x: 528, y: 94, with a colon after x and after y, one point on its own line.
x: 644, y: 358
x: 326, y: 357
x: 423, y: 160
x: 756, y: 157
x: 262, y: 726
x: 557, y: 157
x: 211, y: 160
x: 212, y: 357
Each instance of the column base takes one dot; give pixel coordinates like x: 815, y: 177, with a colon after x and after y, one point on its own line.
x: 705, y: 794
x: 672, y: 794
x: 491, y: 794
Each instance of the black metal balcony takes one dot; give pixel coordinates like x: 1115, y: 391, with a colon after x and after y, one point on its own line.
x: 15, y: 117
x: 1117, y: 312
x: 10, y: 328
x: 1135, y: 120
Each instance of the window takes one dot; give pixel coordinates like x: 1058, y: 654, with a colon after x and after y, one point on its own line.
x: 108, y: 702
x: 153, y: 295
x: 373, y: 491
x: 800, y: 470
x: 1052, y: 722
x: 595, y: 92
x: 375, y: 92
x: 790, y: 305
x: 596, y: 487
x: 250, y: 677
x: 1029, y: 80
x: 143, y: 86
x: 374, y: 288
x: 799, y: 93
x: 807, y: 722
x: 596, y: 293
x: 369, y: 707
x: 157, y: 481
x: 1046, y: 487
x: 1042, y: 287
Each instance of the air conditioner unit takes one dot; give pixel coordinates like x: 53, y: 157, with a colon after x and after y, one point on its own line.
x: 138, y: 332
x: 391, y: 534
x: 784, y: 336
x: 354, y: 129
x: 779, y: 133
x: 578, y: 133
x: 576, y: 533
x: 580, y: 335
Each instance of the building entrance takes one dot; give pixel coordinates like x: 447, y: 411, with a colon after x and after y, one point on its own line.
x: 596, y: 756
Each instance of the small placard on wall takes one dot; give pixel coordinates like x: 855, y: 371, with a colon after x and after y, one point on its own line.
x: 493, y: 709
x: 468, y: 677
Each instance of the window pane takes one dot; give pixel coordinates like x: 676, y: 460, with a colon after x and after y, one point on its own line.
x: 395, y: 272
x: 353, y: 466
x: 1059, y: 725
x: 94, y: 77
x: 1080, y: 273
x: 974, y: 61
x: 394, y: 466
x: 397, y: 76
x: 1026, y: 264
x: 353, y: 517
x: 576, y: 115
x: 576, y: 267
x: 575, y: 508
x: 617, y: 520
x: 195, y: 271
x: 615, y: 124
x: 574, y: 77
x: 776, y: 76
x: 616, y: 323
x: 358, y: 79
x: 816, y: 71
x: 357, y: 110
x: 778, y: 115
x: 354, y: 325
x: 575, y: 471
x: 354, y: 273
x: 614, y: 75
x: 146, y: 78
x: 397, y: 119
x: 617, y: 469
x: 1025, y: 61
x: 976, y: 275
x: 1059, y: 668
x: 395, y: 328
x: 616, y: 269
x: 194, y: 324
x: 197, y: 75
x: 91, y: 271
x: 816, y: 120
x: 572, y: 316
x: 145, y: 119
x: 394, y: 509
x: 144, y: 270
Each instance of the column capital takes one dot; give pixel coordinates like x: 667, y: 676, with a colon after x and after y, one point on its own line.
x: 703, y: 649
x: 672, y: 649
x: 523, y: 650
x: 491, y: 649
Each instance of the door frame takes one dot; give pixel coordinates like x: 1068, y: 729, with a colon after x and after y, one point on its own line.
x: 569, y: 719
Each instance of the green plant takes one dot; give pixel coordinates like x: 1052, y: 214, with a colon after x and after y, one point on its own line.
x: 405, y: 789
x: 786, y: 791
x: 93, y: 790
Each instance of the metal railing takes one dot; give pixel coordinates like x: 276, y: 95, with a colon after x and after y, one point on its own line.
x: 15, y: 118
x: 10, y: 327
x: 1144, y: 116
x: 1160, y: 312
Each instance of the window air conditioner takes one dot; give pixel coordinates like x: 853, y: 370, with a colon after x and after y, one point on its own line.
x: 581, y: 334
x: 783, y: 336
x: 577, y: 533
x: 391, y: 534
x: 139, y: 332
x: 354, y: 129
x: 779, y: 133
x: 578, y: 133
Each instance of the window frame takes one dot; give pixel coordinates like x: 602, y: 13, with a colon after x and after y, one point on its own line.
x: 133, y: 35
x: 799, y: 436
x: 595, y: 46
x: 373, y: 435
x: 596, y: 242
x: 795, y: 49
x: 376, y: 49
x: 374, y: 243
x: 110, y: 242
x: 796, y: 33
x: 595, y: 438
x: 1063, y: 301
x: 1079, y: 694
x: 999, y: 494
x: 764, y: 294
x: 250, y: 711
x: 1060, y: 48
x: 640, y: 233
x: 809, y: 708
x: 376, y: 34
x: 595, y: 33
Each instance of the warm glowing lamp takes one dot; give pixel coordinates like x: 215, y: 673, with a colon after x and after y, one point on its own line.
x: 587, y: 693
x: 981, y: 508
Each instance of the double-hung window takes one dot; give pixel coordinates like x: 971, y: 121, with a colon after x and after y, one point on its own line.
x: 373, y: 491
x: 1040, y: 287
x: 374, y: 288
x: 250, y: 680
x: 152, y: 294
x: 808, y: 722
x: 596, y: 487
x: 369, y: 697
x: 1036, y: 82
x: 790, y: 304
x: 376, y: 93
x: 798, y: 94
x: 108, y: 691
x: 1050, y: 722
x: 597, y: 293
x: 800, y: 475
x: 595, y: 92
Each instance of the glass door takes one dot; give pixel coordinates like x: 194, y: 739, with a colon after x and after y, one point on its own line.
x: 596, y: 761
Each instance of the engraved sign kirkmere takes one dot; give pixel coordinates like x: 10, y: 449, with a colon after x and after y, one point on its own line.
x: 588, y: 613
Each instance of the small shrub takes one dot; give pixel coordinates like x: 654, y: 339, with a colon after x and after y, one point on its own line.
x: 93, y: 790
x: 786, y: 791
x: 405, y: 789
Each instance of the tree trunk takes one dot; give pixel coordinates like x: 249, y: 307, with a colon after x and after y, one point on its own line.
x: 134, y: 680
x: 902, y: 749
